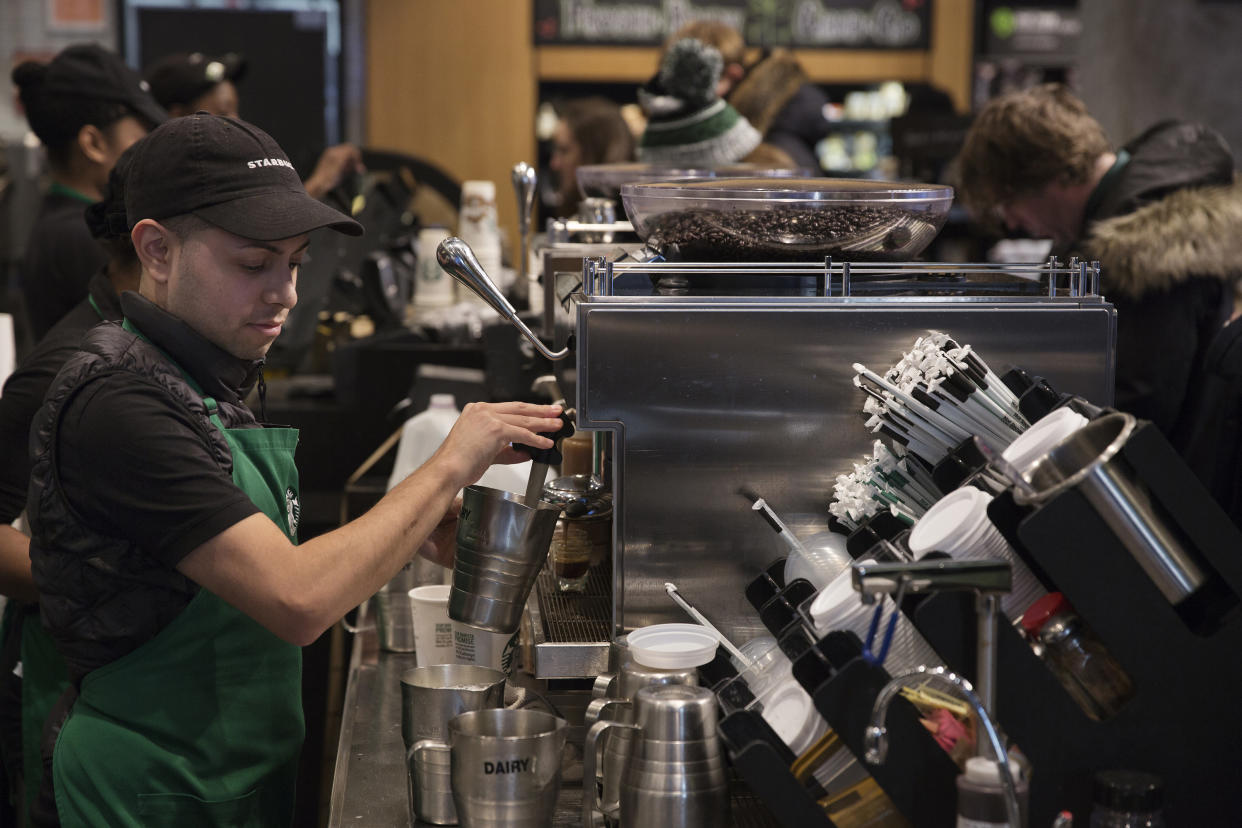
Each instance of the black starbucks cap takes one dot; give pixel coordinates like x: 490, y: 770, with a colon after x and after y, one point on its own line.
x: 182, y: 77
x: 229, y: 173
x: 87, y: 70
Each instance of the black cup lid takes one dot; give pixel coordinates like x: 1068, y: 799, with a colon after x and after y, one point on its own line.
x: 1124, y: 790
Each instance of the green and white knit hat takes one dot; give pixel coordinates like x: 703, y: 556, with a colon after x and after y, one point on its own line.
x: 688, y: 124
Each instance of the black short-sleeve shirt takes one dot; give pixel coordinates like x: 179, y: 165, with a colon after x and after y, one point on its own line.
x: 60, y: 258
x: 133, y: 466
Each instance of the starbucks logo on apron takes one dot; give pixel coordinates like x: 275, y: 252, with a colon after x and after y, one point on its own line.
x: 293, y: 510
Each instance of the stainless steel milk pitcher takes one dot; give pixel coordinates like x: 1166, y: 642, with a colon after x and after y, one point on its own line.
x: 613, y: 749
x: 675, y: 774
x: 501, y: 546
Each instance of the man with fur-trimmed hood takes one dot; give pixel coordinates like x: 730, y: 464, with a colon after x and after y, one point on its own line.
x: 1162, y: 215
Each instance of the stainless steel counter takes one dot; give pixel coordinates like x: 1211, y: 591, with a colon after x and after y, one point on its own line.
x: 369, y: 784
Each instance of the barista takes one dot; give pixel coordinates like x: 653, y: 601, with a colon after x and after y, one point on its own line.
x: 189, y: 82
x: 86, y: 107
x: 165, y: 553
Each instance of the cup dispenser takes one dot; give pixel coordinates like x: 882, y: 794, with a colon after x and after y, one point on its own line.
x: 1180, y: 722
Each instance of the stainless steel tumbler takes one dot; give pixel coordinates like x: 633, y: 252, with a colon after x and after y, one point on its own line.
x: 501, y: 545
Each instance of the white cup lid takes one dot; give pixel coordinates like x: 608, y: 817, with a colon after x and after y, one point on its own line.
x: 952, y: 523
x: 673, y: 646
x: 1041, y: 437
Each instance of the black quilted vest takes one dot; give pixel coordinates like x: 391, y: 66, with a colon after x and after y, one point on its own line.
x: 102, y: 596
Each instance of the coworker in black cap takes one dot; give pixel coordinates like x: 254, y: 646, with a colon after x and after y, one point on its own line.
x: 165, y: 553
x: 189, y: 82
x: 87, y: 107
x: 27, y: 694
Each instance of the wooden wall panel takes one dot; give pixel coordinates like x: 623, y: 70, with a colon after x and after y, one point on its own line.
x: 453, y: 81
x: 950, y: 62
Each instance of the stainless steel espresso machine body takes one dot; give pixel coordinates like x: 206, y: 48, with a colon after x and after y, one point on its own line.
x: 710, y: 395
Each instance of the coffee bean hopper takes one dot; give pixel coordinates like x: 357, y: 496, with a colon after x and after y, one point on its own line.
x: 707, y: 390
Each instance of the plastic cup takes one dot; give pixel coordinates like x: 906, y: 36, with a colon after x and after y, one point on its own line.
x: 433, y: 631
x: 788, y: 709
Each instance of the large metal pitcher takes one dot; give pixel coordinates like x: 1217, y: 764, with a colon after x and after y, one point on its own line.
x: 675, y: 775
x: 613, y: 749
x: 501, y: 544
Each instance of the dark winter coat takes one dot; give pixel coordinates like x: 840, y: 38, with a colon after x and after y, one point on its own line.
x: 1167, y: 231
x: 1166, y: 227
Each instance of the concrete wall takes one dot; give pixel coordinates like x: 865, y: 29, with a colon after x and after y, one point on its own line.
x: 1145, y: 60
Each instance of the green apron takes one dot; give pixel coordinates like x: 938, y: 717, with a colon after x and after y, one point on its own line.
x: 44, y: 679
x: 201, y: 725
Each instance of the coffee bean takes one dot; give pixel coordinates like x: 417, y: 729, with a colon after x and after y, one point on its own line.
x: 787, y: 233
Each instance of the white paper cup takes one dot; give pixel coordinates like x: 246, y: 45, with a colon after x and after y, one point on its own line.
x: 958, y: 525
x: 1034, y: 443
x: 838, y: 607
x: 483, y: 648
x: 433, y: 631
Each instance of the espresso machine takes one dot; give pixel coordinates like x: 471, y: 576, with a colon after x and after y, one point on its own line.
x: 707, y: 394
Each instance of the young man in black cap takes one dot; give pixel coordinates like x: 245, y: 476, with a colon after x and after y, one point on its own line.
x: 87, y: 107
x: 189, y: 82
x: 165, y: 553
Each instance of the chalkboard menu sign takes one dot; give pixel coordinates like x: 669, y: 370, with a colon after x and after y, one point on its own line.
x: 804, y: 24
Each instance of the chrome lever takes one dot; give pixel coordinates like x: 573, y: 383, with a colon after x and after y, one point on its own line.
x: 456, y: 257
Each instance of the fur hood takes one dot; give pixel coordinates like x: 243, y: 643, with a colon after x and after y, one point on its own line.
x: 1190, y: 233
x: 767, y: 87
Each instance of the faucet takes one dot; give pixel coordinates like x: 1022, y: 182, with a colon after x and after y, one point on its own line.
x: 876, y: 736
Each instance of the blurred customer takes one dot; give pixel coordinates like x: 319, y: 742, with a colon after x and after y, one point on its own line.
x: 1161, y: 214
x: 688, y: 123
x: 773, y: 93
x: 86, y: 107
x: 590, y: 131
x: 189, y: 82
